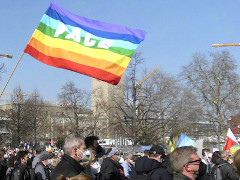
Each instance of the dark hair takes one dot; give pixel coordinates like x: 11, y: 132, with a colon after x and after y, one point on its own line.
x: 146, y: 151
x: 204, y: 151
x: 135, y: 157
x: 39, y: 150
x: 11, y: 161
x: 89, y: 140
x: 216, y: 155
x: 21, y: 155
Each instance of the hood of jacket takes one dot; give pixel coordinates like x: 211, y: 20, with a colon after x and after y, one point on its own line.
x: 145, y: 164
x: 220, y: 161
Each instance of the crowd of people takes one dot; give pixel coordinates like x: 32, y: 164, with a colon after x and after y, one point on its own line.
x: 84, y: 159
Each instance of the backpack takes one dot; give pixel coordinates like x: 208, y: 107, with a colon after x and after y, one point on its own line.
x: 9, y: 175
x: 215, y: 172
x: 142, y: 176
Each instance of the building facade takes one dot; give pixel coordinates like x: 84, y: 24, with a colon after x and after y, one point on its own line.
x: 52, y: 121
x: 104, y: 101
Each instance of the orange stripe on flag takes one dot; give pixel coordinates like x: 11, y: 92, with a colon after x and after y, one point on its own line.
x: 77, y: 58
x: 73, y: 66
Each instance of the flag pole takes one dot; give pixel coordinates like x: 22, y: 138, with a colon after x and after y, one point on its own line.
x: 11, y: 74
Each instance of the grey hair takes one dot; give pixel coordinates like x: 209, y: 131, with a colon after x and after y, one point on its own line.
x: 127, y: 156
x: 181, y: 156
x: 71, y: 141
x: 223, y: 154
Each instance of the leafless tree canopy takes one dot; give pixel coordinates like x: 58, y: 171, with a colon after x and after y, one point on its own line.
x: 76, y: 101
x: 28, y: 119
x: 216, y: 84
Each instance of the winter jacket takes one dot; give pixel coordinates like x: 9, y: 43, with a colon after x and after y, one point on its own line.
x: 3, y: 169
x: 68, y: 167
x: 145, y: 165
x: 179, y: 176
x: 42, y: 172
x: 35, y: 161
x: 227, y: 170
x: 20, y: 173
x: 110, y: 170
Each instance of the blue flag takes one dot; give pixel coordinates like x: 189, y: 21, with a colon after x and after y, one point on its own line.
x: 185, y: 141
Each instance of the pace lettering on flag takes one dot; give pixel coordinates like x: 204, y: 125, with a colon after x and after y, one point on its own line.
x: 94, y: 48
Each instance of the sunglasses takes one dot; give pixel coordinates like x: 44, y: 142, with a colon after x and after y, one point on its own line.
x: 195, y: 161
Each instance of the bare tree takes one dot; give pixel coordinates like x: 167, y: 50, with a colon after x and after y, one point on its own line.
x: 35, y: 117
x: 16, y: 114
x: 76, y: 102
x: 216, y: 84
x: 143, y: 111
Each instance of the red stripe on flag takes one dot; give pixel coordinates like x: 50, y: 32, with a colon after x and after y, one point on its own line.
x: 229, y: 143
x: 72, y: 66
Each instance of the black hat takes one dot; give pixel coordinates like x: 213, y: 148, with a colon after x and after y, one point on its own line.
x: 157, y: 150
x: 45, y: 155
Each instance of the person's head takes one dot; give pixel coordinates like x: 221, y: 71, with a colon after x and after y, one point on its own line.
x: 205, y: 153
x: 11, y: 161
x: 216, y: 155
x: 185, y: 160
x: 59, y: 154
x: 74, y: 146
x: 135, y: 157
x: 91, y: 142
x: 114, y: 154
x: 108, y: 151
x: 146, y: 152
x: 224, y: 155
x: 127, y: 157
x: 38, y: 150
x: 22, y: 157
x: 236, y: 159
x: 156, y: 152
x: 55, y: 161
x: 45, y: 157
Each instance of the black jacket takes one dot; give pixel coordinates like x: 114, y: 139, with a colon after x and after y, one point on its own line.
x: 145, y: 165
x: 20, y: 173
x: 110, y: 170
x: 227, y: 170
x: 3, y: 169
x: 68, y: 167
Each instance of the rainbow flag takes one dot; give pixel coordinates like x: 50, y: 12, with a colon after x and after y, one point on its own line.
x: 94, y: 48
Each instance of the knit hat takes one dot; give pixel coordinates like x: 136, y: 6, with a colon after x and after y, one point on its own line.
x: 112, y: 152
x: 45, y: 155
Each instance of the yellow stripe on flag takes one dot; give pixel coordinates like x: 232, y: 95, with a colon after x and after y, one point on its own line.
x: 80, y: 49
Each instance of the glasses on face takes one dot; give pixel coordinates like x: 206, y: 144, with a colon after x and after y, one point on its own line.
x: 195, y: 161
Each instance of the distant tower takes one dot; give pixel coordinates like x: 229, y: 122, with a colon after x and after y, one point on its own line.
x: 104, y: 96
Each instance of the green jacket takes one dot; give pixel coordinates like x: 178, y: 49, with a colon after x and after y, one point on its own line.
x: 179, y: 176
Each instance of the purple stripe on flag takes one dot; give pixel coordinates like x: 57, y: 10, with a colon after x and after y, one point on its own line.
x: 103, y: 26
